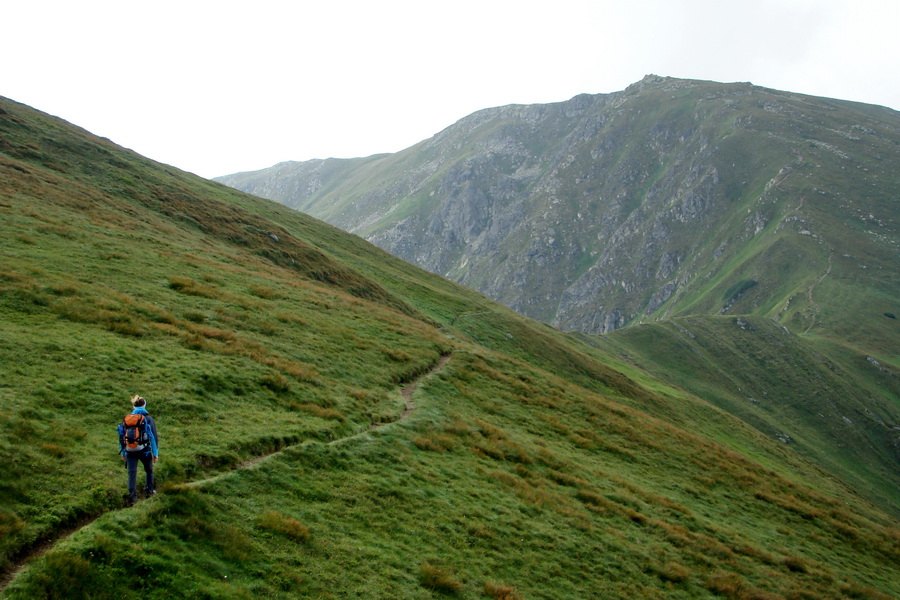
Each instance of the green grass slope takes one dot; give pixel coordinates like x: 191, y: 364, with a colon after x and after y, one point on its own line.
x: 531, y: 466
x: 845, y: 419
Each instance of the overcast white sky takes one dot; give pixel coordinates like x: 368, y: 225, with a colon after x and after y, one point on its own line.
x: 216, y: 87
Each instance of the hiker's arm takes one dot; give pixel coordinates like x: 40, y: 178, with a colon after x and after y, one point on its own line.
x: 153, y: 447
x: 121, y: 442
x: 154, y: 439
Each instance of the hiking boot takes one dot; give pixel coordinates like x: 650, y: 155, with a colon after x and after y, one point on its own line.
x: 132, y: 499
x: 149, y: 493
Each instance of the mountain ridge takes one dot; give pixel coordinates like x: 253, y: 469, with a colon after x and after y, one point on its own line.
x: 580, y: 213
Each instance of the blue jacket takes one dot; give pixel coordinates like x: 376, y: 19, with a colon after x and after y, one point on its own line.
x: 151, y: 432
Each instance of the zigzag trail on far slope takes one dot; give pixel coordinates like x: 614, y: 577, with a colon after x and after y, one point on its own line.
x: 41, y: 547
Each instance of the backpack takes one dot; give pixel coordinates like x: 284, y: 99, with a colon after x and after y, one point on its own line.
x: 135, y: 437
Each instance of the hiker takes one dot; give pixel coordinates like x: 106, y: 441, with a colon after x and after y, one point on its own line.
x: 138, y: 441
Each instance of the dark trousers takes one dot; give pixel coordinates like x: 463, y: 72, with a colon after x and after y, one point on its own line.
x: 131, y: 461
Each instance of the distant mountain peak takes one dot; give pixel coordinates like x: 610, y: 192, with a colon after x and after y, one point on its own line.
x: 614, y: 209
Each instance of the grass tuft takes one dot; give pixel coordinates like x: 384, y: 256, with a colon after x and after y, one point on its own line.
x: 500, y: 591
x: 319, y: 411
x: 278, y: 523
x: 188, y: 286
x: 10, y: 524
x: 276, y: 382
x: 54, y: 450
x: 65, y: 576
x: 435, y: 442
x: 674, y: 572
x: 266, y: 293
x: 864, y: 592
x: 438, y: 579
x: 795, y: 564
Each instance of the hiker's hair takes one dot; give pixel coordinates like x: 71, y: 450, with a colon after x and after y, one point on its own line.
x: 137, y: 401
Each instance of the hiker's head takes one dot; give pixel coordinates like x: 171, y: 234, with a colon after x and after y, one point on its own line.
x: 137, y: 401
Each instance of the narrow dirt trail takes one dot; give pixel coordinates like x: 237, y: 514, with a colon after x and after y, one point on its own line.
x: 407, y: 391
x: 813, y: 307
x: 41, y: 547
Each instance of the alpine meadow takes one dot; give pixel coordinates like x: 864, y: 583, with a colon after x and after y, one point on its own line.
x: 335, y: 422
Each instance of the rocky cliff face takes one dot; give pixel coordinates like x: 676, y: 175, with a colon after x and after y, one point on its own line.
x: 607, y: 210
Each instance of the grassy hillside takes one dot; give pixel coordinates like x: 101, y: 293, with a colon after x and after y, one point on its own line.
x: 844, y: 419
x: 269, y: 344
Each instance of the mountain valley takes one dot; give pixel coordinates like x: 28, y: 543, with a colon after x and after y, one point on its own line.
x: 338, y: 423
